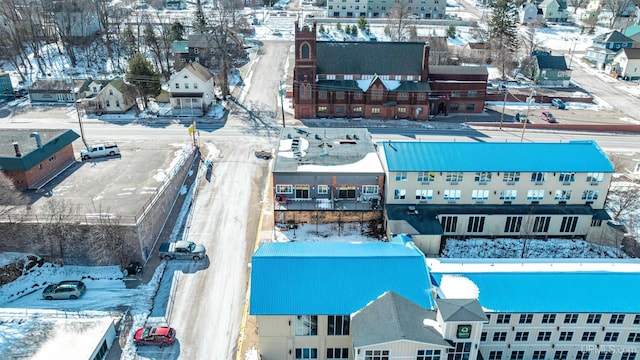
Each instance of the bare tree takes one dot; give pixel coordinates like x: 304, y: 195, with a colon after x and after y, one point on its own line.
x: 11, y: 36
x: 623, y: 200
x: 399, y: 23
x: 617, y: 9
x: 110, y: 240
x: 576, y: 4
x: 58, y: 226
x: 10, y: 197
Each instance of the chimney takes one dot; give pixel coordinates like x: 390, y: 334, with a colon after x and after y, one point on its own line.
x: 16, y: 147
x: 37, y: 136
x: 425, y: 63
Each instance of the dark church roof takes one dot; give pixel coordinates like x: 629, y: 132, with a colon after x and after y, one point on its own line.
x: 369, y: 57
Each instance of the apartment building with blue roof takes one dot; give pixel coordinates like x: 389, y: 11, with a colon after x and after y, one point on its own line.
x: 437, y: 190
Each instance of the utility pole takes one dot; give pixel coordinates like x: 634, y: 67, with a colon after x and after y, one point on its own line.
x: 504, y: 103
x: 74, y: 91
x: 281, y: 92
x: 524, y: 124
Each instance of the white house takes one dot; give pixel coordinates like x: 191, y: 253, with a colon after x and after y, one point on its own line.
x: 108, y: 96
x: 626, y: 64
x: 191, y: 90
x: 530, y: 13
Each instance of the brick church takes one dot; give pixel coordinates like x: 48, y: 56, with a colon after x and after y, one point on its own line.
x: 379, y: 80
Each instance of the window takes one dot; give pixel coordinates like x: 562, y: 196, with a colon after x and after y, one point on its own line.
x: 595, y: 177
x: 340, y: 95
x: 522, y: 336
x: 538, y: 177
x: 495, y: 355
x: 560, y: 355
x: 568, y: 224
x: 195, y: 85
x: 605, y: 356
x: 375, y: 110
x: 449, y: 223
x: 517, y: 355
x: 377, y: 92
x: 339, y: 109
x: 306, y: 353
x: 594, y: 318
x: 337, y: 353
x: 588, y: 336
x: 582, y: 355
x: 567, y: 177
x: 633, y: 337
x: 450, y: 194
x: 636, y: 320
x: 403, y: 95
x: 566, y: 336
x: 570, y: 318
x: 461, y: 350
x: 322, y: 108
x: 52, y: 158
x: 628, y: 356
x: 548, y: 318
x: 338, y: 325
x: 399, y: 194
x: 402, y: 110
x: 563, y: 195
x: 117, y: 103
x: 508, y: 195
x: 376, y: 354
x: 110, y: 92
x: 503, y: 319
x: 471, y: 106
x: 323, y: 189
x: 454, y: 177
x: 186, y: 85
x: 590, y: 195
x: 513, y: 224
x: 541, y: 224
x: 616, y: 319
x: 322, y: 94
x: 370, y: 189
x: 196, y: 50
x: 544, y: 335
x: 357, y: 95
x: 525, y: 319
x: 428, y: 355
x: 357, y: 109
x: 401, y: 176
x: 455, y: 94
x: 539, y: 355
x: 424, y: 194
x: 177, y: 86
x: 596, y: 222
x: 482, y: 176
x: 480, y: 195
x: 426, y: 176
x: 108, y: 103
x: 535, y: 195
x: 483, y: 336
x: 611, y: 336
x: 511, y: 176
x: 476, y: 224
x: 304, y: 51
x: 306, y: 325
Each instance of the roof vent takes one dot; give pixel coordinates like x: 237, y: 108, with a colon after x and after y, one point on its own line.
x: 412, y: 210
x: 38, y: 140
x: 16, y: 147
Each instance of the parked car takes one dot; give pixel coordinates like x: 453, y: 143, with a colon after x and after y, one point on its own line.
x: 182, y: 250
x: 69, y: 289
x: 558, y: 103
x: 154, y: 335
x: 520, y: 117
x: 100, y: 150
x: 548, y: 117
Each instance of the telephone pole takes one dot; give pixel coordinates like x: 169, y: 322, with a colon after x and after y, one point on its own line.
x: 281, y: 92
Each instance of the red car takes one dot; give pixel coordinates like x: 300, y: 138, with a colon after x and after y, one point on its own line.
x: 547, y: 116
x: 155, y: 335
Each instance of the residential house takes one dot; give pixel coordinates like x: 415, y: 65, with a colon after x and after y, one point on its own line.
x: 360, y: 80
x: 426, y: 9
x: 625, y: 9
x: 437, y: 190
x: 551, y: 70
x: 530, y: 13
x: 6, y: 89
x: 175, y: 4
x: 477, y: 52
x: 202, y: 48
x: 554, y: 10
x: 191, y: 90
x: 633, y: 32
x: 325, y: 175
x: 112, y: 97
x: 33, y: 157
x: 626, y: 64
x: 51, y: 91
x: 606, y: 46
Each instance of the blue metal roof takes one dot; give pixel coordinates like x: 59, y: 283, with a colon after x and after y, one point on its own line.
x: 560, y: 292
x: 316, y: 278
x: 578, y: 156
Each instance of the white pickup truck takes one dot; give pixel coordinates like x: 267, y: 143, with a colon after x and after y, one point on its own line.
x: 100, y: 150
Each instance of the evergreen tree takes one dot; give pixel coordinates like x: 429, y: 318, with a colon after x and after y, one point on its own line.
x: 142, y: 75
x: 362, y: 23
x: 322, y: 29
x: 503, y: 34
x: 176, y: 32
x: 129, y: 43
x: 199, y: 21
x: 339, y: 27
x: 451, y: 31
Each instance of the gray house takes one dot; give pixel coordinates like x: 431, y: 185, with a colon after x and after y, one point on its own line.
x: 51, y: 91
